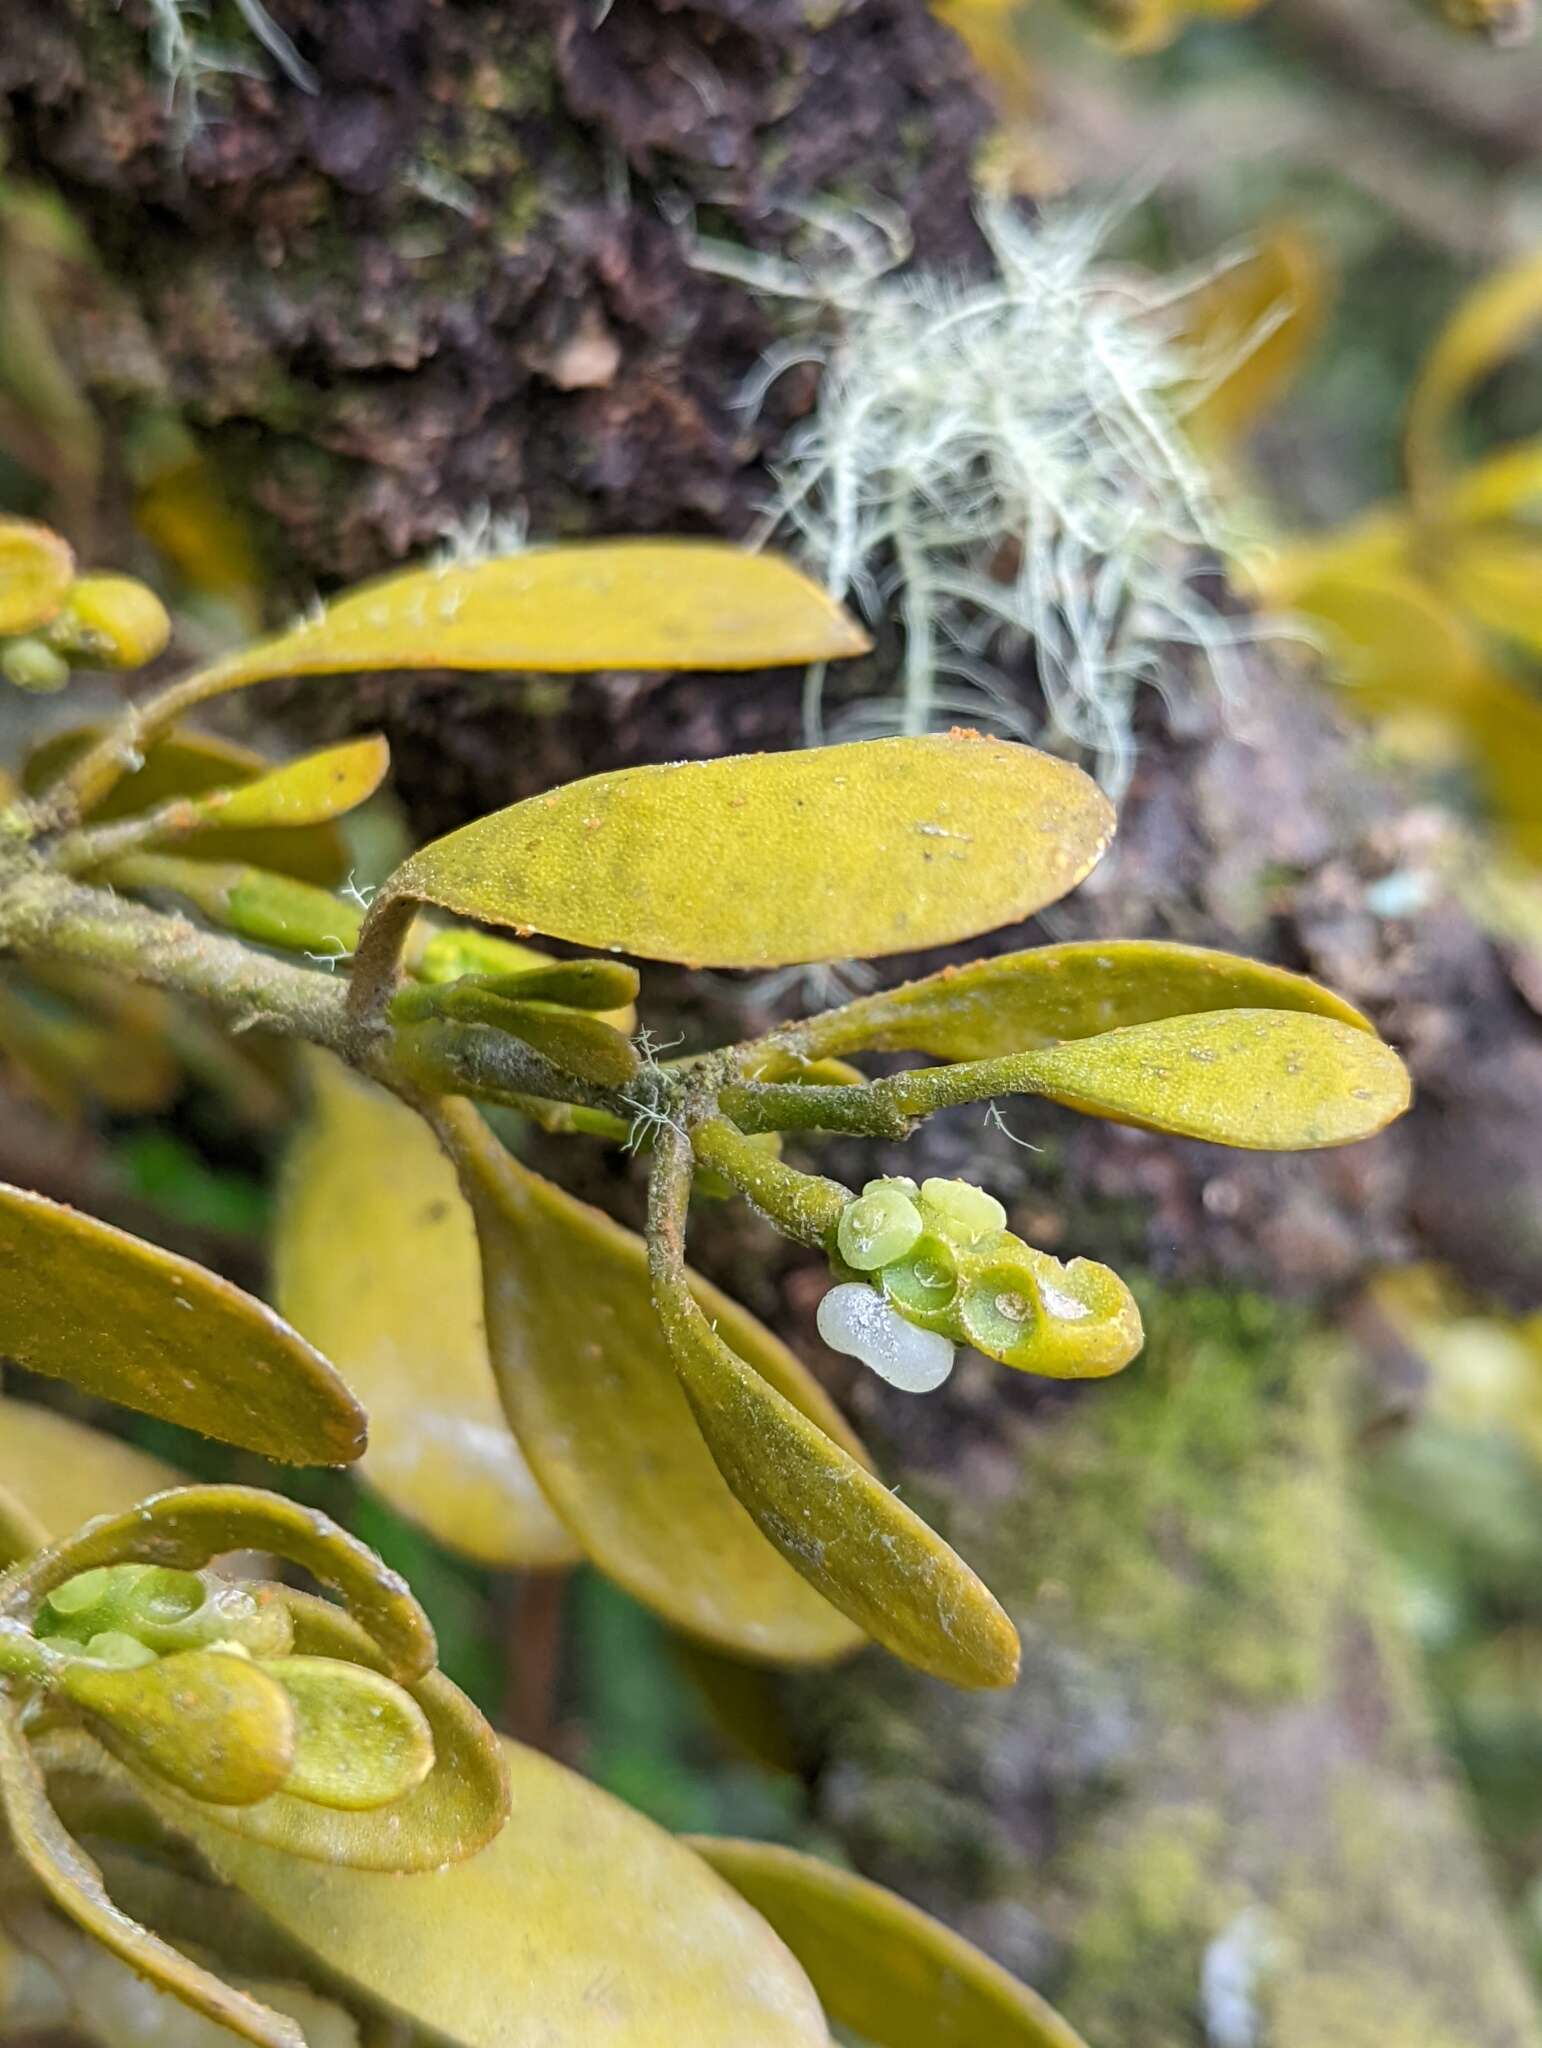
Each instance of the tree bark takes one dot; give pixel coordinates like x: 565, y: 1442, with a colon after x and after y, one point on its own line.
x: 458, y: 276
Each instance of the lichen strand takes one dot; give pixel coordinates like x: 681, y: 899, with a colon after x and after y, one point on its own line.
x: 1214, y: 1784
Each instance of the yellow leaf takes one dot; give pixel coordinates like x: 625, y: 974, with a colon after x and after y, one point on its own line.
x: 629, y: 604
x: 36, y: 568
x: 73, y: 1883
x: 581, y: 1923
x: 762, y: 860
x: 128, y: 1322
x: 881, y: 1966
x: 64, y: 1472
x: 1495, y: 576
x: 1252, y: 327
x: 375, y: 1260
x: 1496, y: 319
x: 1393, y: 642
x: 848, y: 1535
x: 589, y: 1389
x: 445, y: 1817
x: 215, y: 1725
x: 311, y: 791
x: 182, y: 763
x: 1265, y: 1080
x: 1017, y: 1000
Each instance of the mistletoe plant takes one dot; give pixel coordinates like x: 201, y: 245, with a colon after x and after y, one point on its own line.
x: 541, y: 1382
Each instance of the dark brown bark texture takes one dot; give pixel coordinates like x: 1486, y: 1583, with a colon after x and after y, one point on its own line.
x: 459, y: 275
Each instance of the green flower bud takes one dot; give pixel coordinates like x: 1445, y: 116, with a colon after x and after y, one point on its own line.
x: 880, y: 1226
x: 123, y: 1653
x: 167, y: 1610
x: 32, y: 664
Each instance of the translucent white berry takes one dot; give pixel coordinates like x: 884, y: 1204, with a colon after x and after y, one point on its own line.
x: 856, y: 1320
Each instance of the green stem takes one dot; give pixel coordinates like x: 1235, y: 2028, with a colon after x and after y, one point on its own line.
x: 48, y: 917
x: 803, y: 1206
x: 889, y: 1108
x: 99, y: 770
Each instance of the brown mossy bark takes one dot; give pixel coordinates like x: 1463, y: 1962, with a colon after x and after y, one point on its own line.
x: 459, y: 275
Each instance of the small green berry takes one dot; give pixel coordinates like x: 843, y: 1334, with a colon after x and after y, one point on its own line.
x: 960, y: 1210
x: 878, y: 1227
x: 122, y: 1652
x: 923, y: 1285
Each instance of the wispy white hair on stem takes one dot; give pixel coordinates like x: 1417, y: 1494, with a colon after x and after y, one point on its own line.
x: 1000, y: 463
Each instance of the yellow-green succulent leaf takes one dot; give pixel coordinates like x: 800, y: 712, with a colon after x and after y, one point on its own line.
x: 766, y: 860
x: 361, y: 1742
x: 450, y: 1814
x: 310, y: 791
x: 600, y: 985
x: 1248, y: 330
x: 1051, y: 993
x: 187, y: 1527
x: 110, y: 622
x: 628, y: 604
x: 568, y: 1927
x: 181, y: 763
x: 1264, y: 1080
x: 74, y: 1884
x: 1494, y: 320
x: 210, y: 1722
x: 881, y: 1966
x: 376, y: 1261
x: 578, y: 1043
x: 837, y: 1525
x: 590, y: 1391
x: 36, y: 569
x: 128, y: 1322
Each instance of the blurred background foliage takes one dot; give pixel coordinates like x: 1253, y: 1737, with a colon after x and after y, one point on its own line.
x: 1357, y: 187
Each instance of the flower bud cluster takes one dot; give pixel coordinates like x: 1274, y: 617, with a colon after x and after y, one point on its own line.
x: 941, y: 1259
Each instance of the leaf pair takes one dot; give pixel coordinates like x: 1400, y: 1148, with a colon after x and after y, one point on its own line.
x: 214, y: 1737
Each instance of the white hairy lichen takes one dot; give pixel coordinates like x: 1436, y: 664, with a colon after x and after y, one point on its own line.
x: 999, y: 464
x: 191, y: 63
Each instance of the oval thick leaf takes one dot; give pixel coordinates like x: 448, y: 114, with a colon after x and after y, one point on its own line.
x: 213, y: 1724
x: 36, y: 569
x: 837, y: 1525
x: 588, y: 1385
x: 375, y: 1260
x: 190, y: 1526
x: 452, y: 1814
x: 630, y: 604
x: 310, y: 791
x: 1051, y: 993
x: 881, y: 1966
x: 1266, y: 1080
x: 581, y: 1923
x: 74, y: 1884
x: 64, y: 1472
x: 764, y: 860
x: 1492, y: 322
x: 190, y: 764
x: 119, y: 1318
